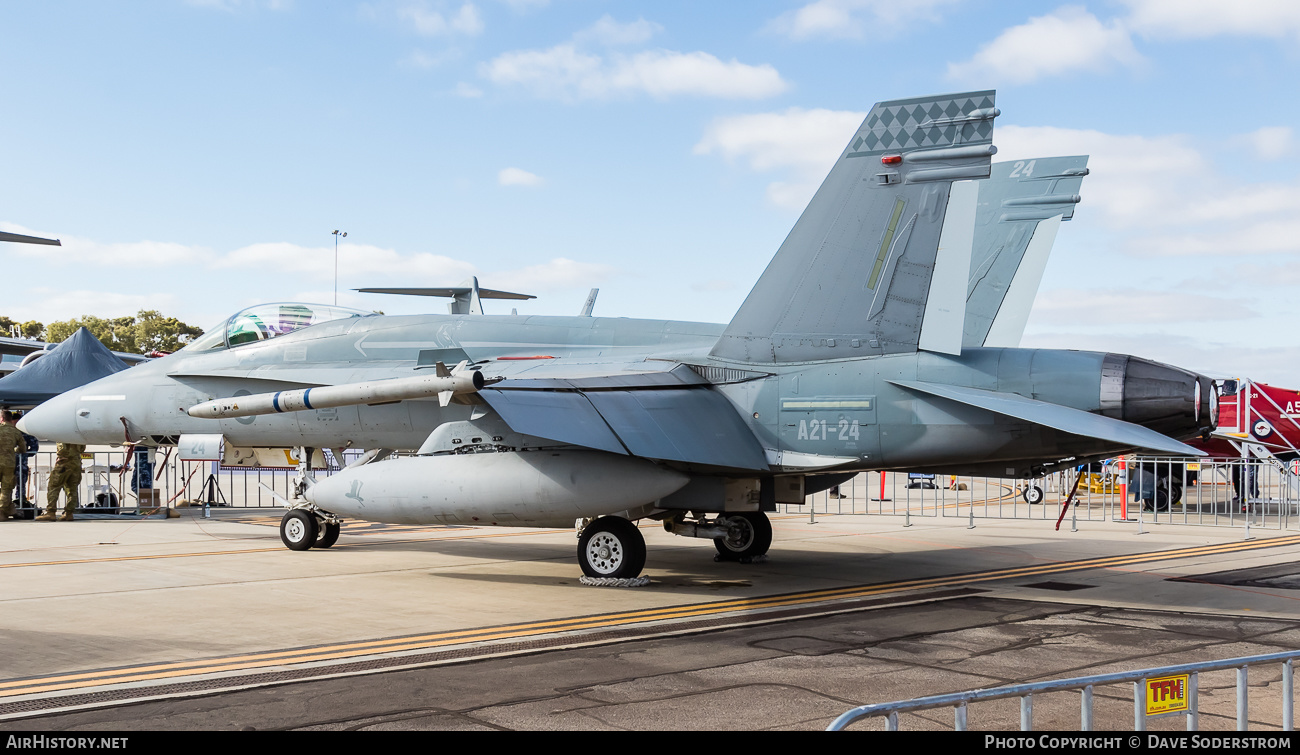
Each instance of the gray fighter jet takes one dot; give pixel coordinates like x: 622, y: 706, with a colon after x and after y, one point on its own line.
x: 847, y: 356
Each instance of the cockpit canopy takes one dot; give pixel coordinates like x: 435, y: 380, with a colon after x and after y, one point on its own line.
x: 266, y: 321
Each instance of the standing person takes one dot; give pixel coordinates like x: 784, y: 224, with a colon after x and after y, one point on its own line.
x: 11, y: 445
x: 65, y: 476
x: 24, y: 472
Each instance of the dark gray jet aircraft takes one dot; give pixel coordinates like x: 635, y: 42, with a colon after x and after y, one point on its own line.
x: 847, y: 356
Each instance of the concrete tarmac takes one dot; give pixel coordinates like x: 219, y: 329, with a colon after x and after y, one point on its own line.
x: 197, y: 623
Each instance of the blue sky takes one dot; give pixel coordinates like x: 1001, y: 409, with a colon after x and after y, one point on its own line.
x: 194, y: 156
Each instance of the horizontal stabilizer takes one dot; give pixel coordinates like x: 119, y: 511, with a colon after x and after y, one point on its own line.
x: 1057, y: 417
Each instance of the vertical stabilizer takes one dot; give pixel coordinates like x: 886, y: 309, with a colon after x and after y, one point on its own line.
x: 1020, y: 208
x: 945, y: 307
x: 853, y: 278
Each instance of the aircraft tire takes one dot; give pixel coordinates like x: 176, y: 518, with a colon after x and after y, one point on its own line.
x: 298, y: 530
x: 611, y: 547
x: 1033, y: 494
x: 328, y: 535
x: 752, y: 536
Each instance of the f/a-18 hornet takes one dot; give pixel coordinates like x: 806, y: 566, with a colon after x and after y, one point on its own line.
x: 846, y: 356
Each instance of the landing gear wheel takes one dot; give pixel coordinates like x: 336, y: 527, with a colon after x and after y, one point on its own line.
x: 1032, y: 494
x: 611, y: 547
x: 748, y: 535
x: 298, y: 530
x: 328, y: 535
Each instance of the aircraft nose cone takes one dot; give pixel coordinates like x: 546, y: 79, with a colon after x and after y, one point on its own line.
x: 54, y: 420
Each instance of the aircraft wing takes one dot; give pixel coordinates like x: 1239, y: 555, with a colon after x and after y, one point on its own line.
x: 18, y: 238
x: 1055, y: 416
x: 655, y: 409
x: 20, y: 346
x: 466, y: 298
x: 696, y: 424
x: 484, y: 293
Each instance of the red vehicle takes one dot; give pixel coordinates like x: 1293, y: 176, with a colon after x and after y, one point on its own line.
x: 1259, y: 414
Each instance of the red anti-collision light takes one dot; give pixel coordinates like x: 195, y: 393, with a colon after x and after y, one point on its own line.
x: 891, y: 159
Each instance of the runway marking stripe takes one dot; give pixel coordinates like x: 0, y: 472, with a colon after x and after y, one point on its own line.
x: 272, y: 550
x: 136, y: 674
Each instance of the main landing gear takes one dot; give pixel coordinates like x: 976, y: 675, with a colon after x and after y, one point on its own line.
x: 749, y: 535
x: 301, y: 529
x: 611, y: 547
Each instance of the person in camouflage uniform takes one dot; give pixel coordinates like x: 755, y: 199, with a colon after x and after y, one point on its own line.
x: 65, y: 476
x: 12, y: 443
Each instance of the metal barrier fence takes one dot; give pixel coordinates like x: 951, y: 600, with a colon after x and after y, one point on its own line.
x: 110, y: 485
x: 1243, y: 493
x: 1190, y: 695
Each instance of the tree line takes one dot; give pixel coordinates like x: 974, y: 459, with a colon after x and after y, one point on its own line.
x: 146, y: 332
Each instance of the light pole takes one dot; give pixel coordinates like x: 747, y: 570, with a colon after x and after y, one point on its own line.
x: 336, y: 236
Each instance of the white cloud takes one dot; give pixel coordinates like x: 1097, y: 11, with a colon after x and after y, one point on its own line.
x: 1135, y: 180
x: 1193, y: 19
x: 1271, y: 142
x: 559, y: 273
x: 1132, y: 306
x: 432, y: 23
x: 1274, y: 236
x: 611, y: 33
x: 564, y: 72
x: 87, y: 252
x: 1068, y: 39
x: 357, y: 262
x: 803, y: 143
x: 467, y: 90
x: 851, y: 19
x: 1166, y: 195
x: 51, y: 305
x: 518, y: 177
x: 426, y: 61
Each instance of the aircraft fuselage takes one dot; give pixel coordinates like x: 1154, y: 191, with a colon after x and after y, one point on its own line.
x: 848, y: 413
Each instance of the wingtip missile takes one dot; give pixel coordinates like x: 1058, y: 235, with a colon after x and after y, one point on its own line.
x: 456, y: 382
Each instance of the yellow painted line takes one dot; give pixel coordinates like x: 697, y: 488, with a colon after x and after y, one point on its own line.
x: 341, y: 651
x: 342, y: 546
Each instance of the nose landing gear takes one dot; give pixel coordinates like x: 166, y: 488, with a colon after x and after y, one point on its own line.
x: 302, y: 529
